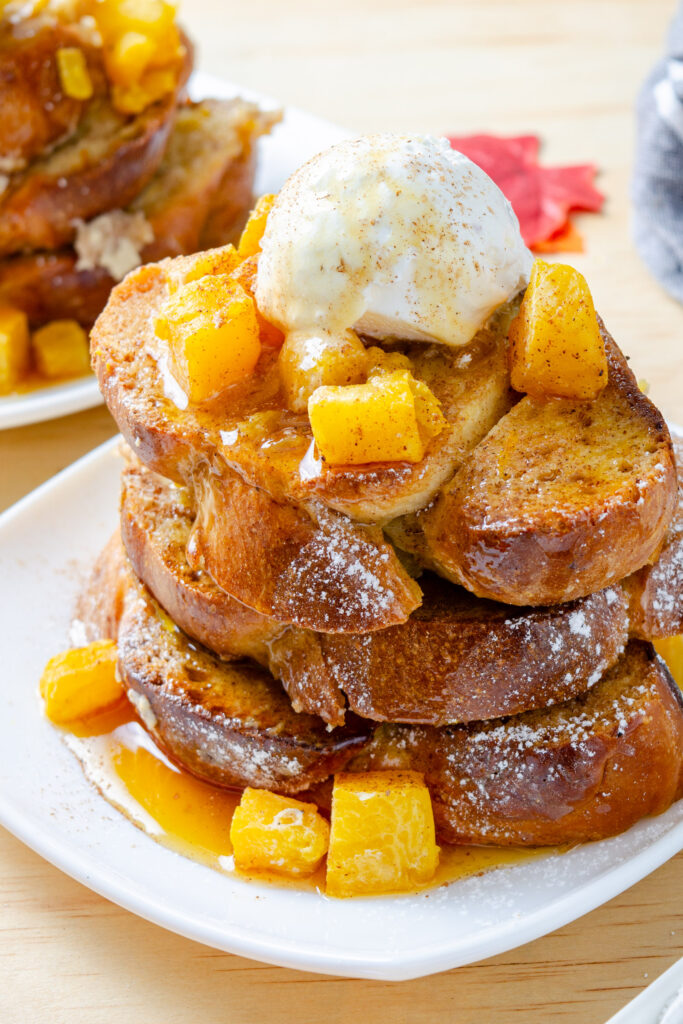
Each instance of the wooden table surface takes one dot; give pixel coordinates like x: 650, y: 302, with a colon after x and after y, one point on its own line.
x: 569, y: 71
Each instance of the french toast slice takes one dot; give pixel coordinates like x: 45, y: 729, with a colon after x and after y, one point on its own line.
x: 249, y: 428
x: 561, y: 499
x: 579, y: 771
x: 585, y: 769
x: 104, y: 165
x: 656, y: 590
x: 308, y: 567
x: 36, y: 112
x: 456, y: 659
x: 205, y: 177
x: 229, y: 723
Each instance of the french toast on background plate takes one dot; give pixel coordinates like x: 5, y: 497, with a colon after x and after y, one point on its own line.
x: 104, y: 165
x: 397, y: 529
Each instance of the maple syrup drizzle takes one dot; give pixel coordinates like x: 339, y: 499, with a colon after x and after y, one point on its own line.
x: 193, y: 817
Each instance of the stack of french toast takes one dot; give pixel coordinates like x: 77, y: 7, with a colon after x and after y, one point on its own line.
x: 105, y: 164
x: 482, y: 612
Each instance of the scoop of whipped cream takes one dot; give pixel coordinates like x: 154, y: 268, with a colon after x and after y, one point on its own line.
x: 396, y: 236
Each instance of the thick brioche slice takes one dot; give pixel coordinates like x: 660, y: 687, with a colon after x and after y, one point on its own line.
x: 306, y: 566
x: 579, y: 771
x: 104, y: 165
x: 582, y: 770
x: 36, y: 112
x: 231, y: 724
x: 457, y: 658
x: 561, y: 498
x: 205, y: 177
x: 656, y: 591
x: 250, y: 429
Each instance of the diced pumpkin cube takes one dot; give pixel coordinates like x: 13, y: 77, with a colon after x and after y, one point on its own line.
x: 250, y: 240
x: 245, y: 273
x: 556, y: 348
x: 61, y: 349
x: 382, y: 834
x: 155, y: 83
x: 275, y: 833
x: 80, y: 682
x: 15, y: 347
x: 309, y: 361
x: 212, y: 332
x: 372, y: 422
x: 430, y: 420
x: 671, y: 650
x: 73, y: 73
x: 130, y: 55
x: 184, y: 269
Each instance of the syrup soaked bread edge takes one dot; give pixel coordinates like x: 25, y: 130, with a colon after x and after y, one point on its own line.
x: 457, y: 658
x: 91, y: 173
x: 583, y: 770
x: 52, y: 286
x: 656, y: 591
x: 540, y: 547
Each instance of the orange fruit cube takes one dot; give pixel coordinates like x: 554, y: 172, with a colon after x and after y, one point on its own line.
x: 556, y: 348
x: 81, y: 682
x: 382, y: 834
x: 275, y: 833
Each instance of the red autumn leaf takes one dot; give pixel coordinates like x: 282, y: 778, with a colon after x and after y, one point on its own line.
x: 542, y: 197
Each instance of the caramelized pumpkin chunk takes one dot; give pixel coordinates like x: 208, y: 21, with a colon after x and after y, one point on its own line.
x: 212, y: 333
x: 556, y: 348
x: 73, y: 73
x: 372, y: 422
x: 275, y: 833
x: 15, y: 347
x: 309, y: 361
x: 382, y: 834
x: 61, y: 349
x: 185, y: 269
x: 250, y: 240
x: 245, y: 274
x: 80, y: 682
x: 670, y: 649
x: 142, y: 50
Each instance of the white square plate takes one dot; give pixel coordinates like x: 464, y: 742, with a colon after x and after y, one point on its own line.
x: 300, y: 136
x: 47, y: 544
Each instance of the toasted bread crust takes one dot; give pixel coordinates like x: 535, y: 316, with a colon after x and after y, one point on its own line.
x: 229, y: 723
x: 456, y: 659
x: 582, y: 770
x: 36, y: 112
x: 656, y: 591
x: 577, y: 772
x: 103, y: 166
x: 212, y: 182
x: 560, y: 499
x: 308, y: 567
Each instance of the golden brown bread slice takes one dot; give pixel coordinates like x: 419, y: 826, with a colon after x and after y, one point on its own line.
x: 102, y: 166
x: 457, y: 658
x: 228, y: 723
x: 310, y: 567
x: 656, y: 591
x: 560, y: 499
x: 249, y: 428
x: 582, y: 770
x: 579, y: 771
x: 36, y: 112
x: 206, y: 175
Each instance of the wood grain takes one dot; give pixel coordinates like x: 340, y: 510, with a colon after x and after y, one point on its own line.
x: 569, y: 71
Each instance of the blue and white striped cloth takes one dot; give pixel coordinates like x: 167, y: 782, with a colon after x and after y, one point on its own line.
x: 658, y: 172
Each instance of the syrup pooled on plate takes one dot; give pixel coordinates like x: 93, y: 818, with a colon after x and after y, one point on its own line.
x: 193, y: 817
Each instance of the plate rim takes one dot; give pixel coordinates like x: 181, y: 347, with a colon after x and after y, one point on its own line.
x: 234, y: 938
